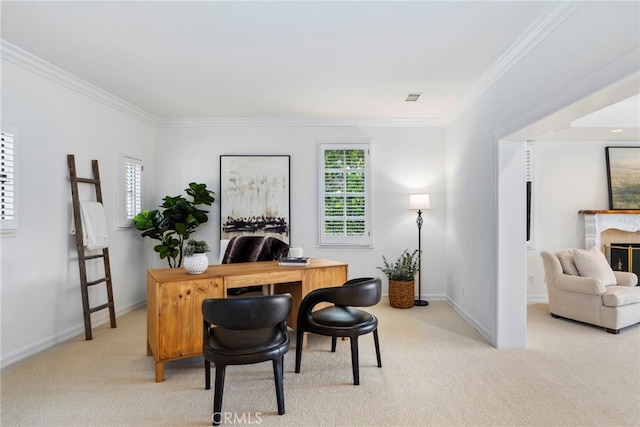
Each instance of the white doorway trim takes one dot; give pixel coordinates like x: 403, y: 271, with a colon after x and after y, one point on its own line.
x: 511, y: 294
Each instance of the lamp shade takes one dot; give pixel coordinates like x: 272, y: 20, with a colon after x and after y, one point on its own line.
x: 419, y: 201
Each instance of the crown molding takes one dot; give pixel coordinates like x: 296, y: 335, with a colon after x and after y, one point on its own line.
x: 536, y: 33
x: 30, y: 62
x: 298, y: 122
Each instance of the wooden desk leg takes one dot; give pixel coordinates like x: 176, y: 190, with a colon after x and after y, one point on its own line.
x: 159, y: 372
x: 149, y: 353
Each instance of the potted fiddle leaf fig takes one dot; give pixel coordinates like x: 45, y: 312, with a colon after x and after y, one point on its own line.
x: 173, y: 226
x: 401, y: 274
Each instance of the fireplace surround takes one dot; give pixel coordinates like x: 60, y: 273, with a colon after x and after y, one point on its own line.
x: 597, y: 221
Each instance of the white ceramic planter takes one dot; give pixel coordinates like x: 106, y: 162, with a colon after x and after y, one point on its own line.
x: 196, y: 263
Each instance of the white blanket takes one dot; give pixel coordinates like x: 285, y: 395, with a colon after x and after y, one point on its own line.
x: 94, y: 225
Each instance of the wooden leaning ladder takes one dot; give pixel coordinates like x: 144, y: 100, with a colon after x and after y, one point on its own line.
x: 82, y: 258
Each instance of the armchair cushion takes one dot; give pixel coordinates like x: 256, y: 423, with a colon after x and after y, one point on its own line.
x: 617, y: 296
x: 566, y: 261
x: 339, y: 316
x: 580, y: 285
x: 593, y: 263
x: 625, y: 278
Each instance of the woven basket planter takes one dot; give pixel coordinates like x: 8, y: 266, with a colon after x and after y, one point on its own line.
x: 401, y: 294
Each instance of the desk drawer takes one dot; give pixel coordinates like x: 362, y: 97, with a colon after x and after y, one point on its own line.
x: 291, y: 274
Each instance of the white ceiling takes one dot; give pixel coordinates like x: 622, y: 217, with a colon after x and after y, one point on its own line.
x: 332, y: 59
x: 274, y: 59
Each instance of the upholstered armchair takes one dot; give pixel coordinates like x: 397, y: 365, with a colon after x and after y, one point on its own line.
x: 582, y: 286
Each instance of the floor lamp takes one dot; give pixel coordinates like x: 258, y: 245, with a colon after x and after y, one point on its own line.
x: 419, y: 202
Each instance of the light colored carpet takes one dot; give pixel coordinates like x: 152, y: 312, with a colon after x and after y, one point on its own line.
x: 436, y: 370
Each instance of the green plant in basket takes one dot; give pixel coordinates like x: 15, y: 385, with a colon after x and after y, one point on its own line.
x: 404, y: 269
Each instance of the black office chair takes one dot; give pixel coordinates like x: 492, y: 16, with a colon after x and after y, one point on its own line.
x: 241, y: 331
x: 341, y: 319
x: 253, y: 249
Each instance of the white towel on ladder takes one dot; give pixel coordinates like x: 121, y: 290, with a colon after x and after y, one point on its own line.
x: 94, y: 225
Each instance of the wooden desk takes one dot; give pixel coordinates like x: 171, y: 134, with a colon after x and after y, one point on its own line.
x: 174, y: 299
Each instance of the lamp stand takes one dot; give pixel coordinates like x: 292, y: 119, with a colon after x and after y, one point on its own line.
x: 420, y: 302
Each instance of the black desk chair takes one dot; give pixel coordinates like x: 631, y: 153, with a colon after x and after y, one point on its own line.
x: 247, y: 330
x: 341, y: 319
x: 253, y: 249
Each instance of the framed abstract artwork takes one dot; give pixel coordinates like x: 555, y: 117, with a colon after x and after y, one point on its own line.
x: 254, y: 196
x: 623, y: 177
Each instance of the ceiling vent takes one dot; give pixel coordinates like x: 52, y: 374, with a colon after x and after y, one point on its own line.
x: 413, y: 97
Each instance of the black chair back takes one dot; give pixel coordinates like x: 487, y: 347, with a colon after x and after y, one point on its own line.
x: 240, y: 331
x: 361, y: 292
x: 244, y: 313
x: 369, y: 291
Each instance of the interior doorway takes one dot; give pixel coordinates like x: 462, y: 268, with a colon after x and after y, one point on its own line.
x: 511, y: 161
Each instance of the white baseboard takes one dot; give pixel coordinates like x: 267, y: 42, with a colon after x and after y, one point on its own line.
x: 466, y: 316
x: 537, y: 299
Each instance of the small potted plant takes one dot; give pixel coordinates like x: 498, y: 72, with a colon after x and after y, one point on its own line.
x: 401, y: 276
x: 195, y: 256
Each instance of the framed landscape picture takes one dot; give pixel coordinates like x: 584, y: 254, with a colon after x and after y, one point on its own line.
x: 254, y: 196
x: 623, y: 177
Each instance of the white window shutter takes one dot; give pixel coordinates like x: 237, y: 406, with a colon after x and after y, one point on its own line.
x: 344, y: 197
x: 130, y: 198
x: 8, y: 179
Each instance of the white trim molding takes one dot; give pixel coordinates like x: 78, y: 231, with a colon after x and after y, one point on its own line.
x: 30, y: 62
x: 532, y: 36
x: 298, y: 122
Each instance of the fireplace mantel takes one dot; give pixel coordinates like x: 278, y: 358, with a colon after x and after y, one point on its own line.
x: 597, y: 221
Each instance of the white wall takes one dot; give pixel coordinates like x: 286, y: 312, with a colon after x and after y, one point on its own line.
x: 569, y: 176
x: 40, y: 286
x: 406, y: 160
x: 570, y: 63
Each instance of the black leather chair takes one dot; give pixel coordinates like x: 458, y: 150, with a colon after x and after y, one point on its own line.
x: 253, y: 249
x: 341, y: 319
x: 247, y: 330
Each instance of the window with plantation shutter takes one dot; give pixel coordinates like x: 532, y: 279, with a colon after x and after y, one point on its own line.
x: 8, y: 185
x: 131, y: 190
x: 345, y: 176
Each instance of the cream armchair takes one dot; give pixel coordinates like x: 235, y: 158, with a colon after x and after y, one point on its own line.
x: 582, y: 286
